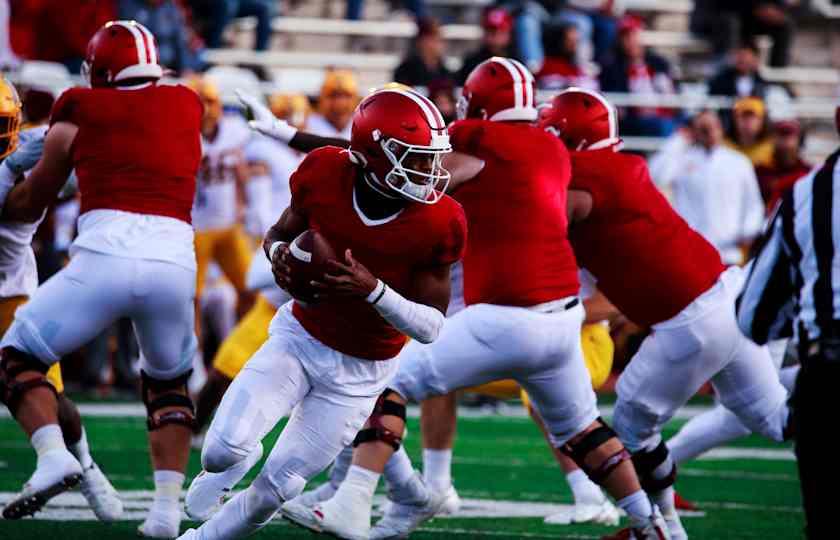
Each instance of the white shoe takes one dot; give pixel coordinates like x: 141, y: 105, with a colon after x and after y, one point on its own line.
x: 160, y: 525
x: 208, y: 490
x: 314, y: 496
x: 451, y: 502
x: 100, y: 494
x: 330, y: 517
x: 402, y: 519
x: 57, y: 471
x: 605, y: 513
x: 653, y: 528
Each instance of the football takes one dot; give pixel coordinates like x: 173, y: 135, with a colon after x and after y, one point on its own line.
x: 308, y: 256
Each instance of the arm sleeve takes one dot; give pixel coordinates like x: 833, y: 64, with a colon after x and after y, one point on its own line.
x: 418, y: 321
x: 307, y: 142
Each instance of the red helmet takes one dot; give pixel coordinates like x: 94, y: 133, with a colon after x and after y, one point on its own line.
x: 399, y: 137
x: 498, y: 89
x: 582, y: 119
x: 119, y: 51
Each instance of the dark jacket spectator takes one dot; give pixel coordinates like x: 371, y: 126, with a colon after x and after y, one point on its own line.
x: 561, y: 69
x: 635, y: 70
x: 426, y: 63
x: 741, y: 78
x: 496, y: 41
x: 165, y: 20
x: 772, y: 18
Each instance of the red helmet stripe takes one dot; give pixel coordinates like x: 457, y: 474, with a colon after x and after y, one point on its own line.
x: 527, y: 83
x: 433, y: 116
x: 516, y: 76
x: 149, y: 41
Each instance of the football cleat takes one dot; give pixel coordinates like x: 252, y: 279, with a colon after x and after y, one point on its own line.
x: 652, y: 528
x: 451, y: 502
x: 401, y: 519
x: 57, y: 472
x: 330, y: 517
x: 683, y: 504
x: 208, y: 490
x: 160, y: 524
x: 100, y: 494
x: 315, y: 496
x: 604, y: 513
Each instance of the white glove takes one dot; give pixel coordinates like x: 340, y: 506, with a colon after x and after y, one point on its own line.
x: 264, y: 121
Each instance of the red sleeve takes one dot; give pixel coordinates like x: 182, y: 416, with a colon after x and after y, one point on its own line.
x: 453, y: 242
x: 66, y: 107
x: 465, y: 136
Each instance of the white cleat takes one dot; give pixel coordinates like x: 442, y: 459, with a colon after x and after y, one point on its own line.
x: 451, y: 502
x: 402, y: 519
x: 331, y: 518
x: 100, y: 494
x: 651, y: 528
x: 208, y: 490
x: 314, y: 496
x: 57, y: 471
x: 605, y: 513
x: 160, y: 525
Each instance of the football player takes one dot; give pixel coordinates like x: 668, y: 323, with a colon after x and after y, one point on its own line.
x: 522, y: 320
x: 220, y: 192
x: 19, y: 280
x: 336, y: 102
x: 397, y: 236
x: 659, y: 273
x: 136, y: 147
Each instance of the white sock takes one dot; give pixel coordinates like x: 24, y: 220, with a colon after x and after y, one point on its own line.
x: 704, y: 432
x: 358, y: 485
x: 168, y: 485
x: 47, y: 438
x: 398, y: 469
x: 437, y: 468
x: 81, y: 450
x: 340, y: 466
x: 637, y: 505
x: 584, y: 490
x: 665, y: 501
x: 404, y: 486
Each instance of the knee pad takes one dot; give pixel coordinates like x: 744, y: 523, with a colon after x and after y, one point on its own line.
x: 580, y: 449
x: 655, y: 468
x: 12, y: 364
x: 378, y: 432
x: 171, y: 393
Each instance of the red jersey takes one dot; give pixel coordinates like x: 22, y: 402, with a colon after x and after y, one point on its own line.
x: 136, y: 150
x: 519, y: 253
x: 647, y: 260
x: 421, y: 236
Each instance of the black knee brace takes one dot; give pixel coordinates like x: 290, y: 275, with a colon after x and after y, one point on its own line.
x: 378, y: 432
x: 655, y: 468
x: 589, y: 443
x: 171, y: 393
x: 12, y: 364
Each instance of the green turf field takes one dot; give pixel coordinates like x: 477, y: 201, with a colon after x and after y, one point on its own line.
x: 749, y: 490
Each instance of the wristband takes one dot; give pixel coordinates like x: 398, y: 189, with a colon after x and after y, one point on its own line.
x: 377, y: 292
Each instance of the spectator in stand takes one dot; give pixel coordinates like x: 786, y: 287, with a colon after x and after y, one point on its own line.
x: 426, y: 61
x: 635, y: 70
x: 561, y: 68
x: 772, y: 18
x: 717, y: 21
x: 714, y: 188
x: 416, y: 7
x: 62, y: 34
x: 442, y: 94
x: 750, y: 133
x: 787, y: 165
x: 496, y: 40
x: 220, y: 13
x: 165, y: 20
x: 741, y: 77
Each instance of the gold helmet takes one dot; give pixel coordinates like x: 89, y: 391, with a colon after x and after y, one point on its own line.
x: 393, y: 85
x: 339, y: 96
x: 294, y: 108
x: 210, y: 97
x: 9, y: 118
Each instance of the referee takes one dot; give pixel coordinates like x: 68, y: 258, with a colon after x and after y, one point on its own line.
x: 793, y: 289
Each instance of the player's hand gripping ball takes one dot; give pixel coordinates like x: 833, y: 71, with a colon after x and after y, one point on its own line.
x: 300, y: 263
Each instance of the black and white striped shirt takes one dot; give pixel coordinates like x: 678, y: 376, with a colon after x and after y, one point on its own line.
x: 793, y: 288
